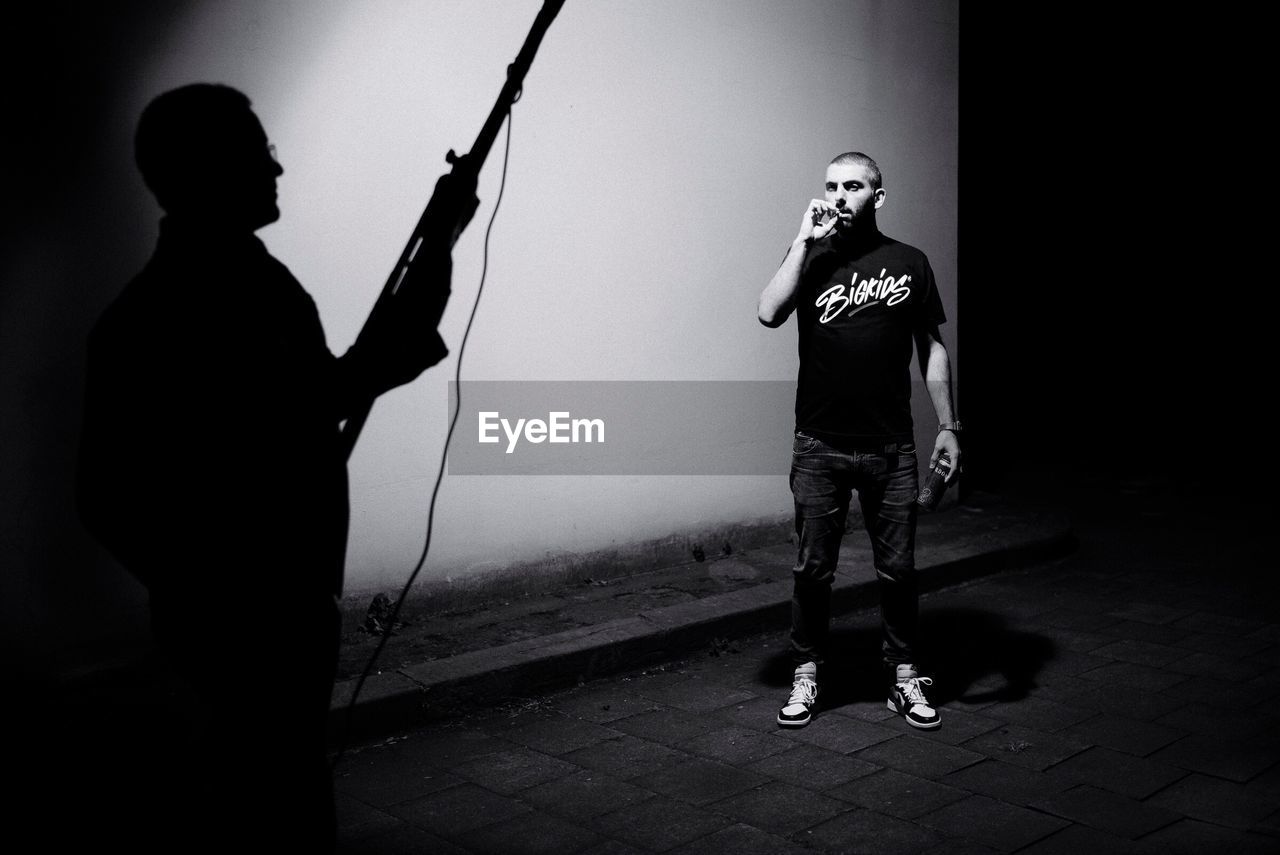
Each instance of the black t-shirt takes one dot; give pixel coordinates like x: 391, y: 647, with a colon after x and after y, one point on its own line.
x: 858, y: 306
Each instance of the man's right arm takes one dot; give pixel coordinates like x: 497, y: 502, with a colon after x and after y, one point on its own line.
x: 778, y: 298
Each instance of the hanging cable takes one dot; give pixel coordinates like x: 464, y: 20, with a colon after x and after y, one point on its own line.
x: 444, y: 456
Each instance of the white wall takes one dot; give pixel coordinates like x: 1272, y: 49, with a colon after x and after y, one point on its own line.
x: 662, y: 155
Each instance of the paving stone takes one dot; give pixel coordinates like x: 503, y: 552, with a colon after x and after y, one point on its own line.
x: 509, y: 772
x: 1058, y: 687
x: 696, y: 695
x: 1226, y: 646
x: 1141, y: 652
x: 1070, y: 663
x: 779, y: 808
x: 383, y: 778
x: 700, y: 782
x: 1147, y: 612
x: 1206, y: 621
x: 1107, y: 811
x: 1269, y: 825
x: 1270, y: 633
x: 1005, y: 782
x: 357, y: 820
x: 1131, y: 677
x: 841, y: 733
x: 736, y: 745
x: 1144, y: 632
x: 812, y: 767
x: 659, y: 824
x: 872, y: 711
x: 457, y: 810
x: 612, y: 847
x: 1074, y: 640
x: 864, y: 832
x: 760, y: 714
x: 399, y: 841
x: 657, y: 675
x: 1216, y: 667
x: 1264, y: 688
x: 530, y: 834
x: 959, y: 846
x: 919, y: 756
x: 625, y: 758
x: 959, y: 726
x: 1210, y: 690
x: 1191, y: 837
x: 1267, y: 784
x: 741, y: 839
x: 1122, y: 773
x: 584, y: 795
x: 515, y: 714
x: 1075, y: 619
x: 1144, y: 706
x: 448, y: 744
x: 1118, y: 733
x: 560, y: 735
x: 1220, y: 756
x: 1214, y: 800
x: 1001, y: 826
x: 898, y: 794
x: 604, y: 706
x: 1075, y: 839
x: 1215, y: 719
x: 1267, y: 658
x: 1038, y: 714
x: 667, y: 726
x: 976, y: 698
x: 1023, y: 746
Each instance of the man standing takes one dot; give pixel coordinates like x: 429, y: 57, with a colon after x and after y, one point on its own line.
x: 861, y: 299
x: 212, y: 468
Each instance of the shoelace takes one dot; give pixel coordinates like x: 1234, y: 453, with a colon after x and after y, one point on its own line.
x: 911, y: 689
x: 803, y: 691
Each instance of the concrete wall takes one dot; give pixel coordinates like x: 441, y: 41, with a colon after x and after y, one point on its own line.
x: 661, y: 157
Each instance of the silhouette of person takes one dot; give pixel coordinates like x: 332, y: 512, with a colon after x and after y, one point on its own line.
x: 211, y: 464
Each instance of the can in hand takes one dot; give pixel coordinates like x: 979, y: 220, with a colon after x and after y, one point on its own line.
x: 935, y: 484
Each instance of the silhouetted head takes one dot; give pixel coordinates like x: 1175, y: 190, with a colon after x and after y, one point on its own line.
x: 854, y: 186
x: 205, y: 156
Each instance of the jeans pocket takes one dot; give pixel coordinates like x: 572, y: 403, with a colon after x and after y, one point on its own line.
x: 803, y: 444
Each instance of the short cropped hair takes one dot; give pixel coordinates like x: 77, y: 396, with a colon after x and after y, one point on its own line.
x: 857, y: 157
x: 184, y: 128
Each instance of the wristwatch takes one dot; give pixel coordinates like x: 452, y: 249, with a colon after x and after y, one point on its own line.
x: 954, y: 427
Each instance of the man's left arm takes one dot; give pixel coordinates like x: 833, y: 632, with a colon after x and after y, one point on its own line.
x: 935, y: 367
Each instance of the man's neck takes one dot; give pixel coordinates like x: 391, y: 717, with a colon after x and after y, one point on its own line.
x: 857, y: 235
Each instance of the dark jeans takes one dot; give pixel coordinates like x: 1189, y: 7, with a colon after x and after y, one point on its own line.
x: 823, y: 479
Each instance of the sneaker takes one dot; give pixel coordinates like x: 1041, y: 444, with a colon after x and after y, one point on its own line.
x: 804, y: 697
x: 907, y: 699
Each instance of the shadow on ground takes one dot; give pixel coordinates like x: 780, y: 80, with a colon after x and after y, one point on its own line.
x: 975, y: 656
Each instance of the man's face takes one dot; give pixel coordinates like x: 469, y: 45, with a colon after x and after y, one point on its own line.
x: 240, y: 178
x: 849, y: 189
x: 257, y: 171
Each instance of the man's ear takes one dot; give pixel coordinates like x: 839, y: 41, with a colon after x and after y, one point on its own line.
x: 879, y: 197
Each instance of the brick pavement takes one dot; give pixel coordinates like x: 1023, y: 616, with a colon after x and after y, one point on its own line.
x: 1119, y: 700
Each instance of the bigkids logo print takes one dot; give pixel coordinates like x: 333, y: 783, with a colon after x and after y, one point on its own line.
x: 863, y: 295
